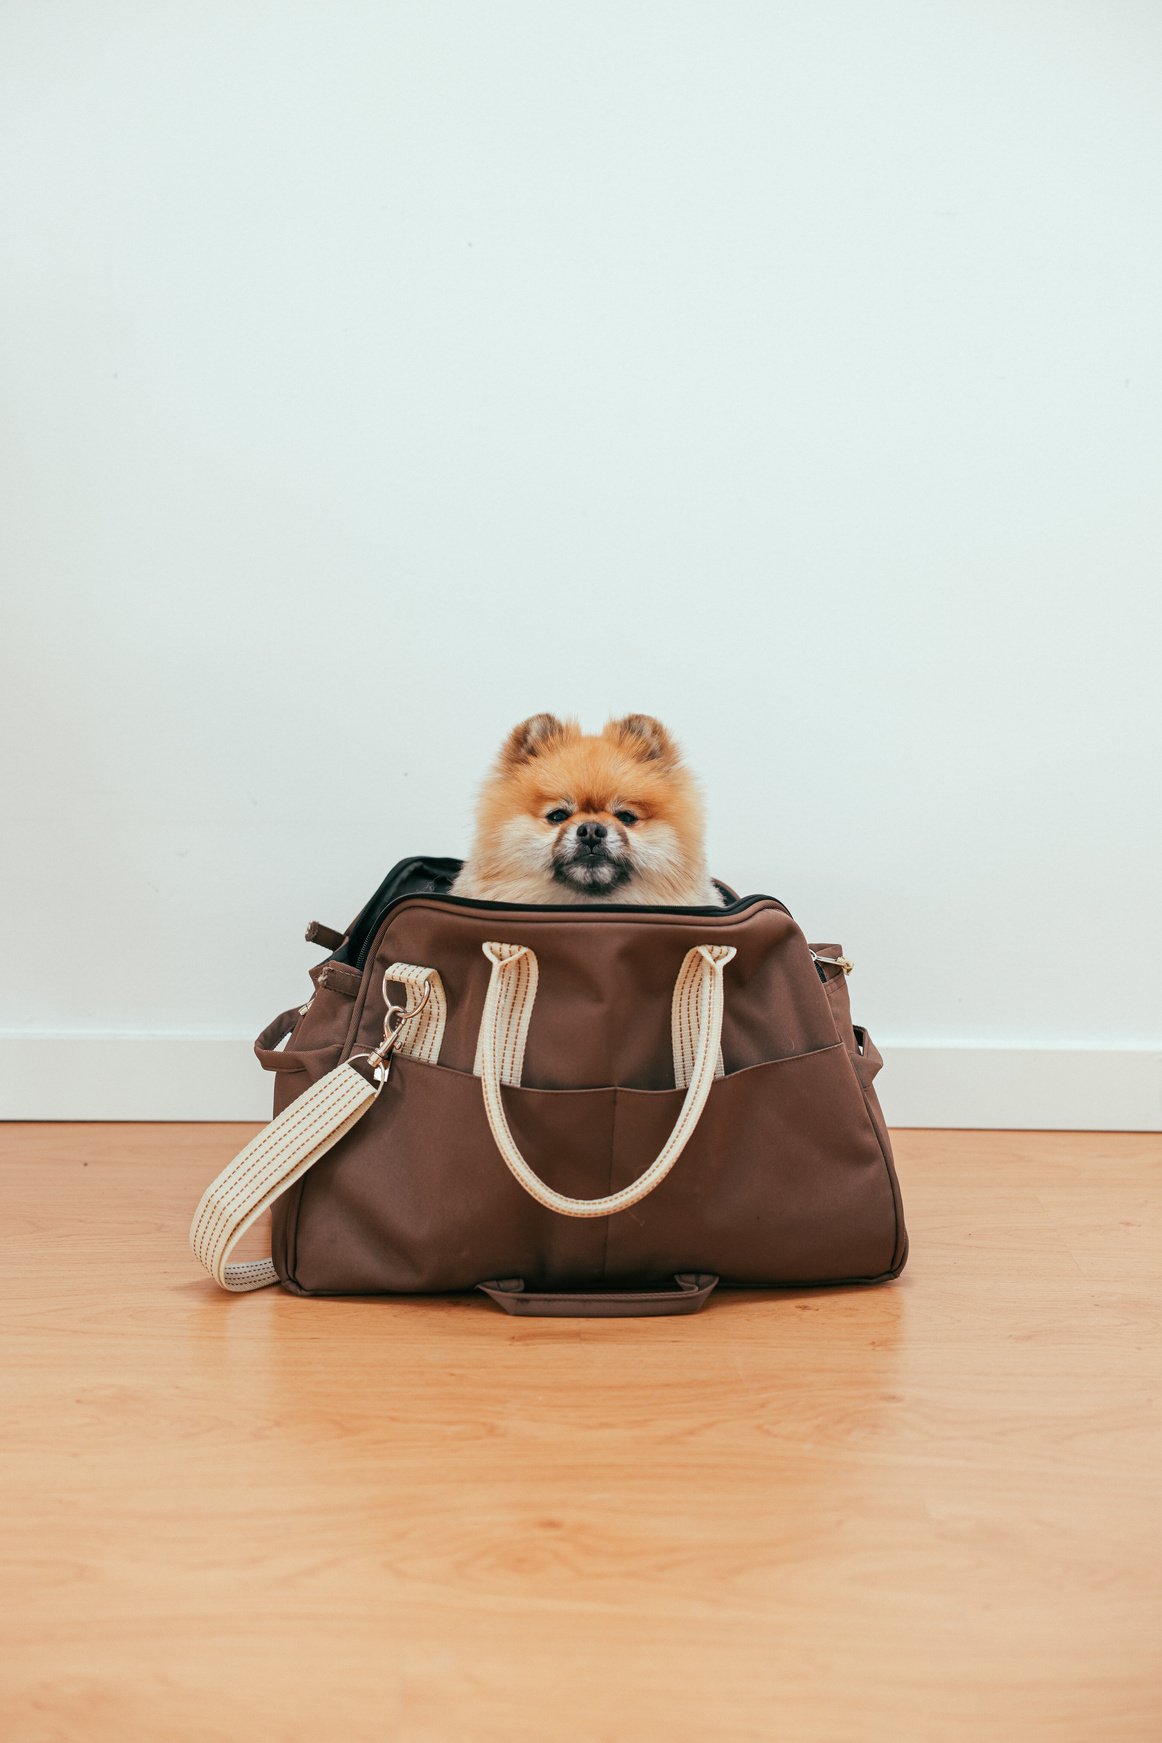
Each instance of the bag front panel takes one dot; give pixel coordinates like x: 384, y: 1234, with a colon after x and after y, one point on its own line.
x: 787, y: 1179
x: 784, y: 1181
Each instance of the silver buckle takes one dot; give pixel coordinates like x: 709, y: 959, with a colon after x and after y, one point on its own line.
x: 380, y: 1057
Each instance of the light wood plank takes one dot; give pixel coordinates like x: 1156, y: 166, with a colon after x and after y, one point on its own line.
x: 929, y: 1510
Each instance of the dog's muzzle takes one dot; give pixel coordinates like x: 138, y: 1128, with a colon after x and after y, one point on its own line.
x: 591, y: 859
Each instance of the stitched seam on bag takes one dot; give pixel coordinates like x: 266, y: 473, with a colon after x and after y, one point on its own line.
x: 529, y: 914
x: 515, y: 997
x: 686, y: 1019
x: 630, y: 1088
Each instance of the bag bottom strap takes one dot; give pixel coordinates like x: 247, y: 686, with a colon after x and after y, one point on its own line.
x: 693, y: 1292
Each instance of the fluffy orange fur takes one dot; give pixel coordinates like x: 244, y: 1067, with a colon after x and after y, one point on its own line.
x: 609, y: 817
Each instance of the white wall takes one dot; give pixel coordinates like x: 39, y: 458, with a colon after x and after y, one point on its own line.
x: 375, y: 374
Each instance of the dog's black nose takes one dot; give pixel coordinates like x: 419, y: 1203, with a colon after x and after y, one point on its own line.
x: 591, y: 833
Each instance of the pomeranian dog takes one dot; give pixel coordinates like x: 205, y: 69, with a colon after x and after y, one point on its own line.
x: 567, y: 816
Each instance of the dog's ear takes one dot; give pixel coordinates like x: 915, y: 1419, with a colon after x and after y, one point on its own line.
x: 645, y: 738
x: 533, y: 736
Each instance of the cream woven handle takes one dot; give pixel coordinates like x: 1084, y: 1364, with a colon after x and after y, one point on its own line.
x: 503, y: 1010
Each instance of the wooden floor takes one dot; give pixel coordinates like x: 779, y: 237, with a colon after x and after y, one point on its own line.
x: 925, y: 1511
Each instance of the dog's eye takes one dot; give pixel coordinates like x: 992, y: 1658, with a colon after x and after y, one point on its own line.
x: 558, y: 816
x: 626, y: 817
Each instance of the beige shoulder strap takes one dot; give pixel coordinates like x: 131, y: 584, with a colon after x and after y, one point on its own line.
x: 280, y: 1154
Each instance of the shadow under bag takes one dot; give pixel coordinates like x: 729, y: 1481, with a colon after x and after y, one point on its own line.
x: 580, y: 1110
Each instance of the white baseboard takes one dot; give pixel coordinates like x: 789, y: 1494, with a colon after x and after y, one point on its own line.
x: 131, y: 1077
x: 1046, y: 1089
x: 214, y: 1077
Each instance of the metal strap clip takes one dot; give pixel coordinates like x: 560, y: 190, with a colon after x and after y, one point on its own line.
x: 834, y: 962
x: 394, y: 1018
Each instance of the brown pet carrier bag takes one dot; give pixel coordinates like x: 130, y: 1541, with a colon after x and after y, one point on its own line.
x: 579, y: 1110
